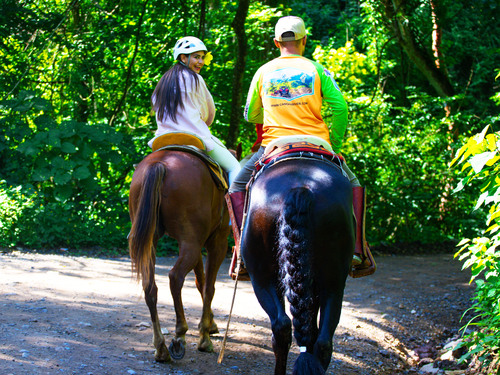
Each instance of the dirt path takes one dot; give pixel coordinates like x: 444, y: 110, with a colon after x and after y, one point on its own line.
x: 75, y: 315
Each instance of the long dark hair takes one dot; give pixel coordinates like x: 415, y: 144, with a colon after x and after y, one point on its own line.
x: 167, y: 97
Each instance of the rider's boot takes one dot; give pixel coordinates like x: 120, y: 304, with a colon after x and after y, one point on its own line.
x: 363, y: 263
x: 236, y: 204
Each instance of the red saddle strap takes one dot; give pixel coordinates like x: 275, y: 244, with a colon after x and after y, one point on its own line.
x: 297, y: 147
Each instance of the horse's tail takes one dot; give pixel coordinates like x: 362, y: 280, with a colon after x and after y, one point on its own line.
x: 294, y: 227
x: 145, y: 221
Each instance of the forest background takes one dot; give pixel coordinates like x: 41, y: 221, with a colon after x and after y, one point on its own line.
x: 77, y: 77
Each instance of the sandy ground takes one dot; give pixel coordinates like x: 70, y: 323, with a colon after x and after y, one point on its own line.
x: 61, y: 314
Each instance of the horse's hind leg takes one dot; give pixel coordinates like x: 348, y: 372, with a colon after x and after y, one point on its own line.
x: 187, y: 260
x: 200, y: 284
x: 261, y: 267
x: 200, y: 275
x: 151, y: 296
x: 273, y: 304
x: 329, y: 319
x: 216, y: 251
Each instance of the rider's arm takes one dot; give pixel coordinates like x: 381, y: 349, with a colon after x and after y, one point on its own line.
x: 203, y: 101
x: 211, y: 109
x: 336, y: 102
x: 253, y: 108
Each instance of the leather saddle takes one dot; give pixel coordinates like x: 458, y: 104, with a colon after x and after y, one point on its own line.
x: 297, y: 147
x: 294, y: 147
x: 190, y: 143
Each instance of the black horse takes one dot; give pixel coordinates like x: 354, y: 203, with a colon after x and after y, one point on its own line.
x: 298, y: 241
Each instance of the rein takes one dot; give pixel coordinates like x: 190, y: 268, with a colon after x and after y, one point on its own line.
x: 224, y: 341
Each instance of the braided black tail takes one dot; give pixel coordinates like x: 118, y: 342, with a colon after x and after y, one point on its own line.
x: 296, y: 273
x: 294, y: 260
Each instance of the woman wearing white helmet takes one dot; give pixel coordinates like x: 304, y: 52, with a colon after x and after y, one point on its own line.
x: 183, y: 103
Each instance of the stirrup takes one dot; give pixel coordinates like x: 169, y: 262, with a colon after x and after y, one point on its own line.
x: 238, y: 271
x: 356, y: 260
x: 367, y: 266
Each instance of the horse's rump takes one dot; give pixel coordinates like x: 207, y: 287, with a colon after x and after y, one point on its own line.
x: 168, y: 186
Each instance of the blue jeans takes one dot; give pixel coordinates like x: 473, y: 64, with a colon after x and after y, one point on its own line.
x: 241, y: 180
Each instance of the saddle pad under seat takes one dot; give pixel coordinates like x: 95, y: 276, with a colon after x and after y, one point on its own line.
x: 190, y: 143
x: 177, y: 138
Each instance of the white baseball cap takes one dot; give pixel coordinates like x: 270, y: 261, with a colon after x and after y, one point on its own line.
x: 287, y: 24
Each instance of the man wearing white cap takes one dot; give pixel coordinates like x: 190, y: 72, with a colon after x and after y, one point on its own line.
x: 286, y: 95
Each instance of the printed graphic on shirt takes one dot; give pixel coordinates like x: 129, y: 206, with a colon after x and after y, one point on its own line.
x: 288, y: 84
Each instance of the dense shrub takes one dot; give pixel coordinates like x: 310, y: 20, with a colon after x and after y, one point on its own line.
x: 401, y: 154
x: 480, y: 163
x: 65, y: 182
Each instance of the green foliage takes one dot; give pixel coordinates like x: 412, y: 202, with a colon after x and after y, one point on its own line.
x: 13, y: 207
x: 77, y: 76
x: 479, y: 158
x: 65, y: 180
x: 400, y: 153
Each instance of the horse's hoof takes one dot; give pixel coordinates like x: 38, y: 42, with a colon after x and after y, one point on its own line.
x: 177, y: 348
x: 213, y: 329
x: 162, y: 354
x: 205, y: 346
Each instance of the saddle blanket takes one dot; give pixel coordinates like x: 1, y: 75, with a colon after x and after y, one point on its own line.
x: 190, y: 143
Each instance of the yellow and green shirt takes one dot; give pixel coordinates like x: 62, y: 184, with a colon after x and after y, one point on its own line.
x: 286, y: 96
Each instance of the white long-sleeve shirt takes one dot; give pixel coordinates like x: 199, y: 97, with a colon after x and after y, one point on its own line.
x: 196, y: 116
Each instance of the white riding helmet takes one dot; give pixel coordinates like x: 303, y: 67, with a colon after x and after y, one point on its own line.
x: 188, y: 45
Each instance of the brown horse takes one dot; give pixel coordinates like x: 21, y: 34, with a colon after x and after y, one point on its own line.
x: 172, y: 193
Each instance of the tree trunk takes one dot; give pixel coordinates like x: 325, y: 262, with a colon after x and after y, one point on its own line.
x: 437, y: 77
x: 82, y: 87
x: 128, y: 79
x: 436, y: 35
x: 238, y: 25
x: 203, y: 16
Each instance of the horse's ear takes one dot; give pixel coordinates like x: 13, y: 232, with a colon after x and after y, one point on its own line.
x: 239, y: 150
